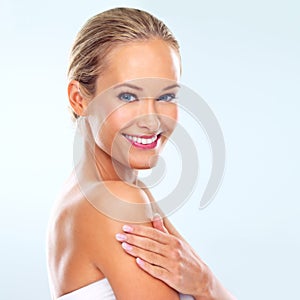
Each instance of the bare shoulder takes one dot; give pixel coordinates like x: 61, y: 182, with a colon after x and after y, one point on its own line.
x: 83, y: 248
x: 128, y: 281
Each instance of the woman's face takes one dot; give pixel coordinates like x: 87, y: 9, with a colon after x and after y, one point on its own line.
x: 135, y: 107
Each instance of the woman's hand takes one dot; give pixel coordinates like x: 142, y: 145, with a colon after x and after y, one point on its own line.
x: 170, y: 259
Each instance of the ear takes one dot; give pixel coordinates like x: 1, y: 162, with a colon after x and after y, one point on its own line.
x: 76, y: 99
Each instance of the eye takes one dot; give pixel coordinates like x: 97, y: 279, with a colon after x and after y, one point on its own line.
x: 167, y: 97
x: 127, y: 97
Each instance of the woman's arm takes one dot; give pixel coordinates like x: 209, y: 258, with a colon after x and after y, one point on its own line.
x: 128, y: 281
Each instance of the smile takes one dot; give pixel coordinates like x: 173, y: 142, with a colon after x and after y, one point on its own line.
x: 143, y: 142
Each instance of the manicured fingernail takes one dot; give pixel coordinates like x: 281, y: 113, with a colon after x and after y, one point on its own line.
x: 127, y: 228
x: 121, y: 237
x: 139, y: 261
x: 156, y: 217
x: 126, y: 246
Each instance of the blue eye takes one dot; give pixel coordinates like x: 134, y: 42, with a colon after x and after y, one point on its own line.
x: 166, y: 97
x: 127, y: 97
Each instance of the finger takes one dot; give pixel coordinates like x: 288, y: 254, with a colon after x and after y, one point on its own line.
x: 148, y: 232
x: 155, y: 271
x: 147, y: 256
x: 157, y: 223
x: 142, y: 242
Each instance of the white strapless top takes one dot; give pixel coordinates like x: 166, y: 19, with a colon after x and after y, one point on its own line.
x: 99, y: 290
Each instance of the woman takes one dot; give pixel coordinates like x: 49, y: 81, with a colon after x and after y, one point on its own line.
x: 124, y: 69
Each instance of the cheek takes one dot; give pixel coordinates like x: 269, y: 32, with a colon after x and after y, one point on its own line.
x: 169, y: 115
x: 113, y: 125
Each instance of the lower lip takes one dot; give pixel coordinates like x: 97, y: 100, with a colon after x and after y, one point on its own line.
x: 144, y: 146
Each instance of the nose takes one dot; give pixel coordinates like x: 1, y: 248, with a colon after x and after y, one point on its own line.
x: 149, y: 118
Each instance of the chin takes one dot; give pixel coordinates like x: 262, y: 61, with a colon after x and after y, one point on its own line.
x: 144, y: 164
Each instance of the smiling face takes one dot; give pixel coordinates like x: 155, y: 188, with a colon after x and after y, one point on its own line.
x: 135, y: 107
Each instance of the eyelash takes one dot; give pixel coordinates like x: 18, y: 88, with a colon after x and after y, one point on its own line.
x: 169, y: 95
x: 127, y: 94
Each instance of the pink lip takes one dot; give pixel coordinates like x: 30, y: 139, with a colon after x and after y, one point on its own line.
x: 147, y: 146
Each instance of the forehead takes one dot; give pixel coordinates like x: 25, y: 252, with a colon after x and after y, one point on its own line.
x: 144, y: 59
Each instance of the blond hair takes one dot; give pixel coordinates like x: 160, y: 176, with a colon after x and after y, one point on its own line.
x: 104, y: 31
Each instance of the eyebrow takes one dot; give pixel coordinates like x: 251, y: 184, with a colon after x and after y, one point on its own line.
x: 171, y: 87
x: 128, y: 85
x: 140, y: 89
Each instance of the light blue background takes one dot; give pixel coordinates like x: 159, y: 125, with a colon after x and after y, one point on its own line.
x: 242, y: 57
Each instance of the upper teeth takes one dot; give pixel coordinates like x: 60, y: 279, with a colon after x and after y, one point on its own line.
x: 141, y: 140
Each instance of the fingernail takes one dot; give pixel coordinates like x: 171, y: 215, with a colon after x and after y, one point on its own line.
x: 126, y: 246
x: 139, y: 261
x: 127, y: 228
x: 156, y: 217
x: 121, y: 237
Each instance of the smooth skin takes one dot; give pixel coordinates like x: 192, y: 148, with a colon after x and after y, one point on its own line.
x: 82, y: 244
x: 83, y: 249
